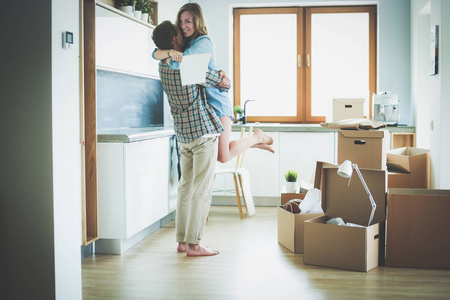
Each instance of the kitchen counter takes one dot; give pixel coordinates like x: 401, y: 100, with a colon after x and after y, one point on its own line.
x: 278, y: 127
x: 129, y: 135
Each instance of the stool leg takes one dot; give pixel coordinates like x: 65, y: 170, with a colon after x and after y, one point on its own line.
x: 243, y: 196
x: 238, y: 196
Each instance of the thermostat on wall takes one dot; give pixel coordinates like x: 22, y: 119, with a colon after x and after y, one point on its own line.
x: 67, y: 39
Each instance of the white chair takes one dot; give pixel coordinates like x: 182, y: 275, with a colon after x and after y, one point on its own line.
x: 241, y: 182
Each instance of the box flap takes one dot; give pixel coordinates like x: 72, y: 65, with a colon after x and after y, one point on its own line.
x: 352, y: 203
x: 318, y: 173
x: 363, y: 133
x: 400, y: 159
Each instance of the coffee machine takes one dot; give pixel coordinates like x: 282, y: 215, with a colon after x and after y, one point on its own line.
x: 386, y: 108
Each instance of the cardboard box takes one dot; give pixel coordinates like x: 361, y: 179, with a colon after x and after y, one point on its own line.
x: 366, y: 148
x: 290, y: 226
x: 290, y: 229
x: 413, y: 163
x: 285, y: 197
x: 418, y: 228
x: 343, y: 247
x: 346, y: 108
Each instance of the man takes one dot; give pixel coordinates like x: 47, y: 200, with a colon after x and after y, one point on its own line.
x: 197, y: 128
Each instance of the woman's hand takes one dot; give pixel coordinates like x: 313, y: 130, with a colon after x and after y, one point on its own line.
x: 225, y: 80
x: 175, y: 55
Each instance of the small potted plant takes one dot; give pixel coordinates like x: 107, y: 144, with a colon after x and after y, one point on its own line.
x: 238, y: 111
x: 291, y: 181
x: 126, y: 6
x: 146, y: 9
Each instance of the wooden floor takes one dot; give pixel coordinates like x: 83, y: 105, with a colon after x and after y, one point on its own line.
x: 251, y: 265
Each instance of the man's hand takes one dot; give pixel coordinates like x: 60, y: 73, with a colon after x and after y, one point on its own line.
x: 176, y: 55
x: 225, y: 80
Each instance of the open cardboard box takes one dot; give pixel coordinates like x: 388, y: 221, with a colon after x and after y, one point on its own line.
x: 418, y: 228
x: 343, y: 247
x: 409, y: 168
x: 290, y: 226
x: 366, y: 148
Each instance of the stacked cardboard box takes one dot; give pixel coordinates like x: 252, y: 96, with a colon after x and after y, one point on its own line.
x: 366, y: 148
x: 418, y: 228
x: 409, y: 168
x: 352, y: 248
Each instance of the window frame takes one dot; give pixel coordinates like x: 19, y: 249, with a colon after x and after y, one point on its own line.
x: 304, y: 114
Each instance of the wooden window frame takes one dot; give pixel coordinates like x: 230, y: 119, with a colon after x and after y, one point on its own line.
x: 304, y: 114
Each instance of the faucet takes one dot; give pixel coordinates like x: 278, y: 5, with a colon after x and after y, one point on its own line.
x: 244, y: 118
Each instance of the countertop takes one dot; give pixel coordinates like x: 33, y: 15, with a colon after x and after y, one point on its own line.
x: 279, y: 127
x: 129, y: 135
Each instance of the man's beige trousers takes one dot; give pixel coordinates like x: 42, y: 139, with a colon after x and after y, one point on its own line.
x: 198, y: 162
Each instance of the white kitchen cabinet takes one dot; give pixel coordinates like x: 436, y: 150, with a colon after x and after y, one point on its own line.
x: 124, y: 44
x: 301, y: 150
x: 293, y: 150
x: 263, y: 167
x: 133, y: 186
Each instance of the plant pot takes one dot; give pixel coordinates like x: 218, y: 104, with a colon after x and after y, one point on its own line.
x: 144, y: 17
x: 137, y: 14
x: 291, y: 187
x: 127, y: 9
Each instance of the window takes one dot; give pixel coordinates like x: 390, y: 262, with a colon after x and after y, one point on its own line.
x: 294, y: 61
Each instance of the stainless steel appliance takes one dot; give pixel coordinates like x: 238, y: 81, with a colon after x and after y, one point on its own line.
x: 386, y: 108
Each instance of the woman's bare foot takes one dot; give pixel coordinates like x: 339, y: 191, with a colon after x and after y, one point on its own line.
x: 182, y: 247
x: 263, y: 147
x: 199, y: 250
x: 262, y: 137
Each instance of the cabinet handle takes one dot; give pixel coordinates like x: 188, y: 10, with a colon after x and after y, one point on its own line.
x: 299, y: 61
x: 308, y: 62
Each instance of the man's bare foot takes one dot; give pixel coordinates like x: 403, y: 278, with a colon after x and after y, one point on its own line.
x: 182, y: 247
x: 263, y: 147
x: 262, y: 137
x: 199, y: 250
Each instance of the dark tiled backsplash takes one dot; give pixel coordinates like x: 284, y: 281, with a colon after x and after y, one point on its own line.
x: 125, y: 100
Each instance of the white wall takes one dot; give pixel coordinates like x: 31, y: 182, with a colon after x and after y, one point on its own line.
x: 393, y: 39
x: 40, y: 159
x: 444, y: 65
x: 420, y: 70
x: 431, y: 94
x: 66, y: 149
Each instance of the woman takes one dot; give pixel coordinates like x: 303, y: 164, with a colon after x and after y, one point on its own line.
x: 194, y: 34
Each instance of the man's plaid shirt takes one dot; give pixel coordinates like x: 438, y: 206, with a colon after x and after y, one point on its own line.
x: 193, y: 116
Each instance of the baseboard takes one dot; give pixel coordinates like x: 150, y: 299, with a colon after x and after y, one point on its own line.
x: 120, y: 246
x: 86, y: 251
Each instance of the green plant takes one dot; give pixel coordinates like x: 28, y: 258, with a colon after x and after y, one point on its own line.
x: 291, y: 176
x: 120, y: 3
x: 144, y: 6
x: 238, y: 110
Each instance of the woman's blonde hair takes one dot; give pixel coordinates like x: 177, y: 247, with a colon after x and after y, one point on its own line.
x: 198, y: 19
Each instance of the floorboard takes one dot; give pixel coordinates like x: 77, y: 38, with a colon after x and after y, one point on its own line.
x: 251, y: 265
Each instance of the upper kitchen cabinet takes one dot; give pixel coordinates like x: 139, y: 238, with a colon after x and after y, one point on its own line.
x: 123, y: 43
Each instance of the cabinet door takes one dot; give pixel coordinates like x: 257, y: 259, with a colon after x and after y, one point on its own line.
x: 146, y: 185
x: 301, y: 150
x: 263, y: 167
x: 123, y: 44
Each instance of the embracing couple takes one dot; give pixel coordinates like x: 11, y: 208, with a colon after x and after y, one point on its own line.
x: 202, y: 116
